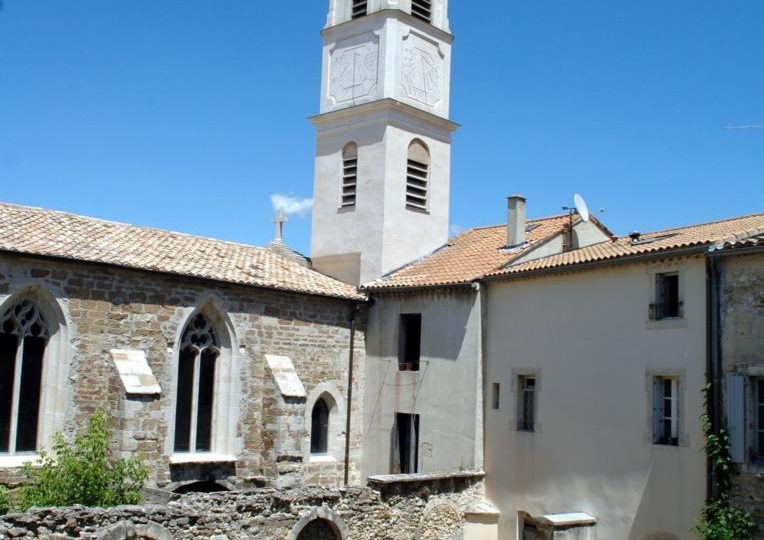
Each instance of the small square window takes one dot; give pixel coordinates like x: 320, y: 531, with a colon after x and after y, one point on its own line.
x: 666, y: 410
x: 667, y: 303
x: 409, y: 341
x: 495, y: 396
x: 758, y: 391
x: 526, y: 406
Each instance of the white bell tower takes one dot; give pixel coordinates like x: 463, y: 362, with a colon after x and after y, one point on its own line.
x: 383, y: 156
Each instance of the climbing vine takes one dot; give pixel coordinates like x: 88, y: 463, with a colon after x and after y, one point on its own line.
x: 721, y: 519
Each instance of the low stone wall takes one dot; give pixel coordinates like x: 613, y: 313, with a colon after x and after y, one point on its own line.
x: 424, y: 510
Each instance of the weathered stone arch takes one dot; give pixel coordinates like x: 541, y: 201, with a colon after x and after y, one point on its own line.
x: 330, y: 393
x: 323, y: 514
x: 125, y: 530
x: 441, y: 521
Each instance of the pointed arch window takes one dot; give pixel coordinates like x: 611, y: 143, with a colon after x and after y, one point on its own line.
x: 422, y: 9
x: 359, y: 8
x: 417, y: 176
x: 23, y: 337
x: 199, y: 352
x: 319, y: 428
x: 349, y: 174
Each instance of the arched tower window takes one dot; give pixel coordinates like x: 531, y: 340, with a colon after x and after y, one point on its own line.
x: 349, y: 174
x: 23, y: 337
x: 199, y: 351
x: 422, y: 9
x: 359, y: 8
x: 417, y: 175
x: 319, y: 428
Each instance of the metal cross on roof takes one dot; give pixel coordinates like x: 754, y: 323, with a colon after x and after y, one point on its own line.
x: 279, y: 220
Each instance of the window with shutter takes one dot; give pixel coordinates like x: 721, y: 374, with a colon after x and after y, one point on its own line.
x: 422, y: 9
x: 736, y: 416
x: 349, y: 175
x: 666, y: 410
x: 417, y: 176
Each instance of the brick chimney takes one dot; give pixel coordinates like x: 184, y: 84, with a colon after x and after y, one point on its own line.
x: 515, y: 220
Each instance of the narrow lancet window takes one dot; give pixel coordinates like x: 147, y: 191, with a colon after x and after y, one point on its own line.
x: 23, y: 338
x: 417, y: 176
x: 319, y: 428
x: 349, y: 175
x: 199, y: 351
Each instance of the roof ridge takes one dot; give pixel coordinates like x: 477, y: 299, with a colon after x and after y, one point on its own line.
x: 132, y: 226
x: 482, y: 227
x: 703, y: 224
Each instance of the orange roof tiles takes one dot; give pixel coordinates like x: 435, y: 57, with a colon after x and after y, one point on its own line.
x: 36, y: 231
x: 469, y: 256
x: 721, y: 233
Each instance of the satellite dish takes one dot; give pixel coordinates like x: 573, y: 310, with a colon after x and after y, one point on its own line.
x: 581, y: 207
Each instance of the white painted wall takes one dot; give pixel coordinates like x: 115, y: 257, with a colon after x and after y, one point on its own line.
x: 445, y: 392
x: 587, y: 337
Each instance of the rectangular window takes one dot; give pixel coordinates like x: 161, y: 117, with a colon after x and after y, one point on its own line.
x: 349, y: 180
x: 407, y: 435
x: 416, y: 184
x: 759, y: 413
x: 667, y: 304
x: 359, y: 8
x: 422, y: 9
x: 526, y: 416
x: 666, y: 410
x: 495, y: 396
x: 409, y: 341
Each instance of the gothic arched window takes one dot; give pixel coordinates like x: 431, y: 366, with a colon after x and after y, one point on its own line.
x: 417, y: 175
x: 199, y: 351
x: 319, y: 428
x: 23, y: 338
x: 349, y: 174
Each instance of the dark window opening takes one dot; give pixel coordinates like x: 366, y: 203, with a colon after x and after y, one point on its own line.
x: 527, y: 403
x: 759, y: 389
x: 23, y: 338
x: 359, y: 8
x: 417, y: 176
x: 495, y: 396
x: 319, y: 428
x: 667, y: 304
x: 204, y: 486
x: 407, y: 432
x: 318, y: 529
x: 196, y: 387
x: 409, y: 341
x: 422, y: 9
x: 666, y: 410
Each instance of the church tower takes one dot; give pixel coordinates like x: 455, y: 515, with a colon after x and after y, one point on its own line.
x: 383, y: 155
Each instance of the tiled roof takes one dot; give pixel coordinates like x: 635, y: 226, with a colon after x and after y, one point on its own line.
x: 718, y: 233
x: 469, y: 256
x: 36, y: 231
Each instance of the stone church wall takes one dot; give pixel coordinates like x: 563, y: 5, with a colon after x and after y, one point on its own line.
x: 426, y: 511
x: 103, y: 308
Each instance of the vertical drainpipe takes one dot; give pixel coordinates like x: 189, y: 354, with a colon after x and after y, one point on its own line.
x: 353, y: 312
x: 713, y: 358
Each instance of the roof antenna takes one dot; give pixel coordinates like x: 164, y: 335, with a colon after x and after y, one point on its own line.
x: 279, y: 220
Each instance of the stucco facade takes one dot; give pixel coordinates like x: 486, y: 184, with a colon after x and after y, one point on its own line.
x: 587, y: 340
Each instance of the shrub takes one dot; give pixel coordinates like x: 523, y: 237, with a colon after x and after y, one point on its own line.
x: 83, y: 473
x: 5, y: 504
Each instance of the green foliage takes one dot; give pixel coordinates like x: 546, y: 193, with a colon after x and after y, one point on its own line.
x: 82, y: 473
x: 5, y: 503
x: 721, y: 519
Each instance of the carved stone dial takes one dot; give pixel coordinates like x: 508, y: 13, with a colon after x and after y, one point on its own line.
x: 422, y: 70
x: 354, y: 72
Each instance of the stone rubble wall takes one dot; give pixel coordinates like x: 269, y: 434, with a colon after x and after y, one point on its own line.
x: 422, y: 511
x: 105, y: 308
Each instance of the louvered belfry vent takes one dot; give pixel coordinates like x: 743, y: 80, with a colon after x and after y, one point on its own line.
x: 359, y: 8
x: 422, y: 9
x: 349, y: 175
x: 416, y: 184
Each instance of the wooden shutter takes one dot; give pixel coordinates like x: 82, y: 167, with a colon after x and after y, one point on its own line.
x: 736, y: 416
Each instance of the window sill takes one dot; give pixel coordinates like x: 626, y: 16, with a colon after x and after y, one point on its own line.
x: 322, y: 458
x: 201, y: 457
x: 668, y: 322
x: 16, y: 462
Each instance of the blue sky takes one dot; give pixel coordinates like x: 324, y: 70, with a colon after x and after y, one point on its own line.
x: 188, y: 114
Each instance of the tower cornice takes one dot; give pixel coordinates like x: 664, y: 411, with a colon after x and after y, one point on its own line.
x: 398, y: 14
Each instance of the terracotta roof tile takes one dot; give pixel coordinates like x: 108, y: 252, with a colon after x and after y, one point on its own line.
x: 731, y: 231
x: 469, y: 256
x: 36, y: 231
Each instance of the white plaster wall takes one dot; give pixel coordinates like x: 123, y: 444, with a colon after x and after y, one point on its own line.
x: 382, y: 56
x: 444, y: 392
x: 587, y: 338
x: 379, y: 227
